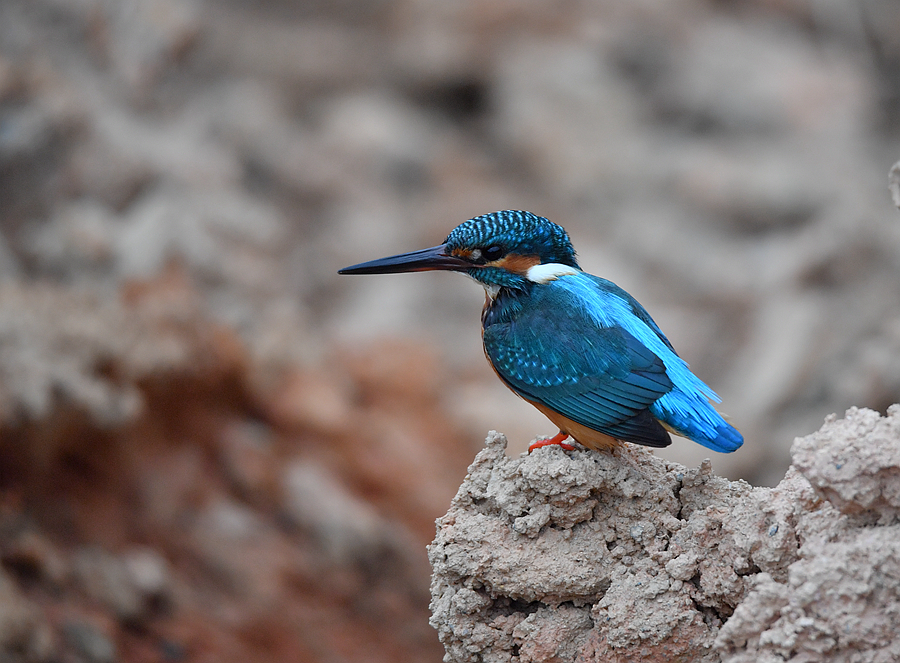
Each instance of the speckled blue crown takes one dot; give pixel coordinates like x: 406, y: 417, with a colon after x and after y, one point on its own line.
x: 517, y: 232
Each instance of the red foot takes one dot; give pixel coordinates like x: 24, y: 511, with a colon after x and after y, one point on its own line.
x: 556, y: 439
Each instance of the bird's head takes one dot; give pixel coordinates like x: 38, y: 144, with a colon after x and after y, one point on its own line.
x: 509, y: 249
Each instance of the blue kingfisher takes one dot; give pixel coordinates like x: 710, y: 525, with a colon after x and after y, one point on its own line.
x: 579, y: 348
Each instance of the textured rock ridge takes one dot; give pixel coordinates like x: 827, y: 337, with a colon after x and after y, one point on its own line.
x: 586, y: 556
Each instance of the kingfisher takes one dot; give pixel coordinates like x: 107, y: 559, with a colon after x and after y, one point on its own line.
x: 577, y: 347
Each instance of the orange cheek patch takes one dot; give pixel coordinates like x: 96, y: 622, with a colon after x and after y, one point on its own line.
x: 462, y: 253
x: 517, y: 264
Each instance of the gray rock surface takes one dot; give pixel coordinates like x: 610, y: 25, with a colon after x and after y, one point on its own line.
x: 627, y: 557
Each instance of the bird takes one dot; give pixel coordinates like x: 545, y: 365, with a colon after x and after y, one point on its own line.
x: 577, y: 347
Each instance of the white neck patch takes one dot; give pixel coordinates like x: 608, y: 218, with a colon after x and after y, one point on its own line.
x: 549, y: 272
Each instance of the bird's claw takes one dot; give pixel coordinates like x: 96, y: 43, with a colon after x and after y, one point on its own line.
x: 555, y: 440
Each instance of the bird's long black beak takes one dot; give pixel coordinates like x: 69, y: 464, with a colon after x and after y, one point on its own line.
x: 416, y: 261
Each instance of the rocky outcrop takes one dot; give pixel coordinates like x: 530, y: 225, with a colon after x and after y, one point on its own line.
x: 626, y: 557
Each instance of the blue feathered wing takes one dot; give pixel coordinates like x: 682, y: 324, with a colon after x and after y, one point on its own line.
x: 599, y: 377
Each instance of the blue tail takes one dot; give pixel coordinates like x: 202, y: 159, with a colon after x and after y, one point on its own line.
x: 695, y: 418
x: 727, y: 439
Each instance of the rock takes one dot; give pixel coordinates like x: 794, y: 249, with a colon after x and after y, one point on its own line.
x: 605, y: 537
x: 838, y: 604
x: 854, y: 463
x: 625, y: 557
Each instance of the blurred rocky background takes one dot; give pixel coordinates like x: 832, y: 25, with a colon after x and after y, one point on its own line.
x: 213, y: 448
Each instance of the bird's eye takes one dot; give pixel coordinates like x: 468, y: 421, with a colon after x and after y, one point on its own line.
x: 493, y: 252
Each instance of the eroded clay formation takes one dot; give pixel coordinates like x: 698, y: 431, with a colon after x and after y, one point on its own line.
x: 627, y: 557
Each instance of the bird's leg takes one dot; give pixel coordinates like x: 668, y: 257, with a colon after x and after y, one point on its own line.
x: 556, y: 439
